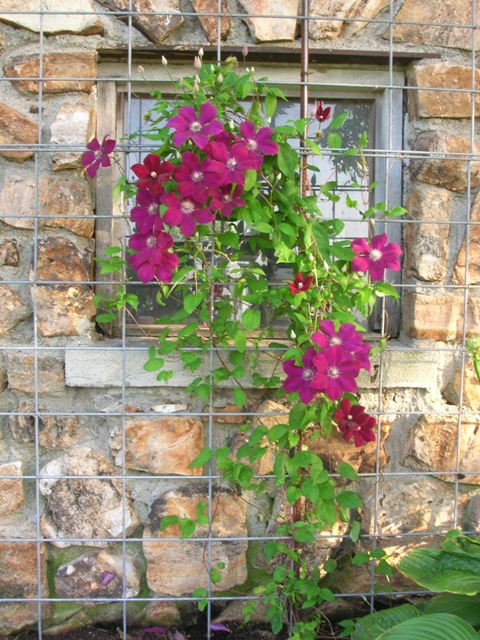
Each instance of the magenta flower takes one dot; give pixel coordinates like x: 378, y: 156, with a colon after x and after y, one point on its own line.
x: 147, y: 212
x: 346, y: 337
x: 300, y: 378
x: 321, y: 112
x: 354, y: 423
x: 189, y: 126
x: 376, y: 256
x: 98, y: 155
x: 335, y: 372
x: 229, y: 163
x: 190, y: 211
x: 193, y: 179
x: 300, y: 284
x: 153, y: 258
x: 152, y: 173
x: 258, y: 142
x: 225, y: 200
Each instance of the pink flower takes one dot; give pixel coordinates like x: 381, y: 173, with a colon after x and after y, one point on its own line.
x: 376, y: 257
x: 193, y: 179
x: 189, y: 126
x: 346, y: 337
x: 146, y: 214
x: 354, y: 423
x: 300, y: 378
x: 336, y: 372
x: 229, y: 163
x: 321, y: 112
x: 225, y: 200
x: 300, y: 284
x: 257, y: 142
x: 153, y: 258
x: 98, y: 155
x: 190, y: 211
x: 152, y: 173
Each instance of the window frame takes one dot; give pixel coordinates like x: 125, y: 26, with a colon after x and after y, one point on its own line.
x: 384, y: 87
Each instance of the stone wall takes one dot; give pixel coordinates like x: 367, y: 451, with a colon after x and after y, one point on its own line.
x: 111, y: 461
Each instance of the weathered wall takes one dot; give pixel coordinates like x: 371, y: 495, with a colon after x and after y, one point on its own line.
x: 78, y: 411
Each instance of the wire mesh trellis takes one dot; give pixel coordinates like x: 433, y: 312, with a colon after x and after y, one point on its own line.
x: 56, y: 374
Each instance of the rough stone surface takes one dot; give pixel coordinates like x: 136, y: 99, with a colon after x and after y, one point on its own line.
x: 76, y: 72
x: 21, y: 373
x: 54, y: 432
x: 333, y: 13
x: 61, y: 260
x: 426, y: 245
x: 9, y: 255
x: 226, y: 414
x: 89, y: 508
x: 11, y: 489
x: 64, y: 310
x: 439, y: 317
x: 444, y: 168
x: 61, y: 202
x: 430, y: 17
x: 12, y: 310
x: 19, y: 579
x: 276, y: 28
x: 16, y: 129
x: 471, y: 388
x: 70, y: 127
x: 453, y: 100
x: 98, y: 575
x: 433, y: 444
x: 460, y: 274
x: 160, y: 445
x: 210, y: 23
x: 178, y: 567
x: 53, y: 23
x: 155, y: 27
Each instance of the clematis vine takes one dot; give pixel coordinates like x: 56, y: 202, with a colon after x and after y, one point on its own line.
x: 376, y: 256
x: 300, y: 284
x: 354, y: 423
x: 98, y: 155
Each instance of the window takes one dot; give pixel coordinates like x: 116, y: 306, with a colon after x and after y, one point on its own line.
x: 372, y: 99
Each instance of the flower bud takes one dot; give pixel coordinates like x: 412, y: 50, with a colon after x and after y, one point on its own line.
x: 196, y: 88
x: 245, y: 50
x: 200, y: 52
x: 164, y: 61
x: 141, y: 70
x: 197, y: 63
x: 220, y: 78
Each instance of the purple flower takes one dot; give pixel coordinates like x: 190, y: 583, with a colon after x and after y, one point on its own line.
x: 191, y: 212
x: 193, y: 179
x: 346, y: 337
x: 376, y: 256
x: 225, y: 200
x: 257, y: 142
x: 153, y: 258
x: 335, y: 372
x: 152, y: 173
x: 98, y: 155
x: 300, y: 284
x: 354, y: 423
x: 230, y: 163
x: 300, y: 378
x: 189, y: 126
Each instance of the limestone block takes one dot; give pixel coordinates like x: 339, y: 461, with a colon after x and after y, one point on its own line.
x: 70, y: 127
x: 275, y: 28
x: 60, y: 259
x: 21, y: 373
x: 178, y: 567
x: 54, y: 432
x: 61, y: 202
x: 53, y: 23
x: 75, y: 72
x: 88, y: 508
x: 12, y: 310
x: 160, y: 445
x: 98, y: 575
x: 9, y: 253
x: 439, y: 317
x: 471, y: 387
x: 64, y: 310
x: 210, y: 22
x: 454, y: 98
x: 472, y: 275
x: 332, y: 14
x: 156, y: 28
x: 442, y: 168
x: 16, y: 129
x: 426, y: 245
x: 19, y: 579
x: 11, y: 489
x: 420, y: 22
x: 432, y: 446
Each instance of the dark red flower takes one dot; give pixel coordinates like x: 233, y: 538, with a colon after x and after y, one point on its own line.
x: 300, y: 284
x: 97, y: 155
x: 322, y: 113
x: 354, y: 423
x: 225, y: 200
x: 376, y: 256
x: 152, y: 173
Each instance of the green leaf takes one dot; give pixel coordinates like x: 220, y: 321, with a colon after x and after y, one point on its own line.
x: 349, y: 500
x: 373, y: 624
x: 154, y: 364
x: 362, y: 143
x: 188, y: 329
x: 191, y: 301
x: 250, y: 179
x: 347, y: 471
x: 202, y: 459
x: 334, y: 141
x: 239, y: 397
x: 465, y: 607
x: 168, y: 521
x: 355, y: 531
x: 240, y: 340
x: 338, y: 120
x: 187, y: 527
x: 434, y: 626
x: 105, y: 317
x: 251, y: 319
x: 287, y: 159
x: 270, y: 105
x: 385, y: 289
x: 394, y: 212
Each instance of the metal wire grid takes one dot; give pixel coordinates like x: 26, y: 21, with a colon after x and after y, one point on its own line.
x: 39, y: 346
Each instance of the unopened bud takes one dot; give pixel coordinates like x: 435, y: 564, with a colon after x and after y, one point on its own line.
x: 164, y: 61
x: 245, y: 50
x: 200, y: 52
x: 141, y: 70
x: 196, y: 88
x: 197, y: 63
x: 220, y: 77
